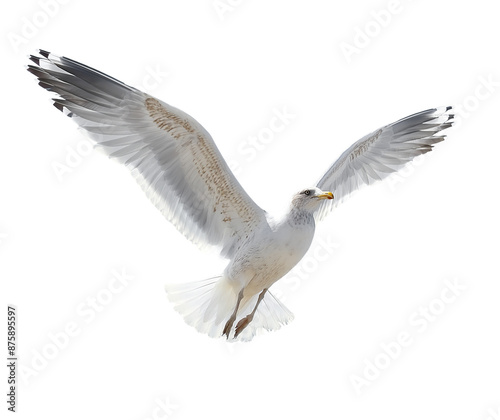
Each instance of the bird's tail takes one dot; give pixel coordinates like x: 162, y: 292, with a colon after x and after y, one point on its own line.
x: 207, y: 305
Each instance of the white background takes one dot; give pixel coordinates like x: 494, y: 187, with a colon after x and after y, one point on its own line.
x: 395, y: 244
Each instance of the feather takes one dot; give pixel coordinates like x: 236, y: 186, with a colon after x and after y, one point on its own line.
x: 383, y: 152
x: 171, y: 155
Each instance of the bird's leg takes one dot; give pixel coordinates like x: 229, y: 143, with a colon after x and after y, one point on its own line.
x: 245, y: 321
x: 230, y: 321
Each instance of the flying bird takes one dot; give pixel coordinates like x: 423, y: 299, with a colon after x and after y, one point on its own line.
x: 178, y: 165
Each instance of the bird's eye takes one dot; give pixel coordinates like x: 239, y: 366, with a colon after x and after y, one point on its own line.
x: 307, y: 192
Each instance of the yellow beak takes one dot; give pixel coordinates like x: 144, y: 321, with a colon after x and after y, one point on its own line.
x: 328, y: 195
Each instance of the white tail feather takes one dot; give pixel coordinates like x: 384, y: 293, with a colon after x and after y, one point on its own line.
x: 207, y: 305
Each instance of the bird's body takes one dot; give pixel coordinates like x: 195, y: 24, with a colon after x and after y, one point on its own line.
x: 178, y: 165
x: 272, y: 253
x: 259, y: 261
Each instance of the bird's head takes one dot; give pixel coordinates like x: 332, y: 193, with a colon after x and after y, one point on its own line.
x: 310, y: 198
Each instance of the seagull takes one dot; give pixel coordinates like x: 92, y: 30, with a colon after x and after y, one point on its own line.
x: 178, y: 165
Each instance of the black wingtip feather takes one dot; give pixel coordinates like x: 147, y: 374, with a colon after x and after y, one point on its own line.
x: 45, y: 85
x: 35, y: 59
x: 33, y: 70
x: 58, y: 105
x: 44, y: 53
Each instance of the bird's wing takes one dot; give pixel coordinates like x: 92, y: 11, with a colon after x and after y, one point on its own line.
x: 171, y: 155
x: 383, y: 152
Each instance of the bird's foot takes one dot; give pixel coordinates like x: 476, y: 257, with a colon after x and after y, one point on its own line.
x: 242, y: 324
x: 228, y: 326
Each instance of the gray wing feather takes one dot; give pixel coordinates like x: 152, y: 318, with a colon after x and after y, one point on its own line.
x: 171, y: 155
x: 383, y: 152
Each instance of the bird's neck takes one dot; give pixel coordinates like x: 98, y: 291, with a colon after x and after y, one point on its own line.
x: 300, y: 217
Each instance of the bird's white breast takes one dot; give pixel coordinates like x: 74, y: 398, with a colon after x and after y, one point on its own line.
x: 261, y: 263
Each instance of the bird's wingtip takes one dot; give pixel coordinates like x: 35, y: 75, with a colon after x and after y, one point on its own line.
x: 44, y: 53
